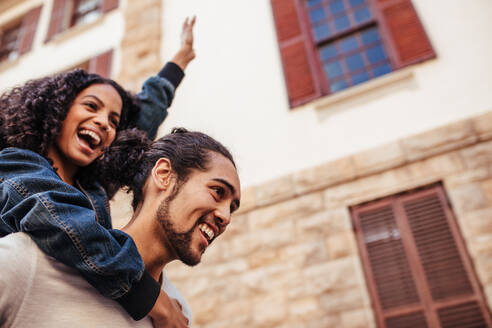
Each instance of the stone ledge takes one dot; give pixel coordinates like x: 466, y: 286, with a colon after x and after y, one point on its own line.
x: 483, y: 125
x: 440, y: 140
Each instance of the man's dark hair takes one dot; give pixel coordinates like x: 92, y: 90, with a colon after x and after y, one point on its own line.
x: 31, y: 115
x: 130, y: 160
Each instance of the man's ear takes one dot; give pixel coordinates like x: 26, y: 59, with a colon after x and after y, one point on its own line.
x: 162, y: 173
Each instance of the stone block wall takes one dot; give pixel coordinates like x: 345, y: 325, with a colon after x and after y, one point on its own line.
x: 141, y: 45
x: 289, y: 257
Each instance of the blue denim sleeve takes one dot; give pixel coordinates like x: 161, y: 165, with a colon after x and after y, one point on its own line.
x: 62, y: 222
x: 156, y: 97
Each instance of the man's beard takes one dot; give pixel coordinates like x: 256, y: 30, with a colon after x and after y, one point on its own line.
x: 180, y: 241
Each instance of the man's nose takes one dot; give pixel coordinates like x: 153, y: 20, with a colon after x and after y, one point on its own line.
x: 223, y: 216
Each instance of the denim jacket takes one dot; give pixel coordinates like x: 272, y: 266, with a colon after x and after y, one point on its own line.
x: 73, y: 224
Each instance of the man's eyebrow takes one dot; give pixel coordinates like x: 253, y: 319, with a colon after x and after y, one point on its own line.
x: 232, y: 189
x: 227, y: 184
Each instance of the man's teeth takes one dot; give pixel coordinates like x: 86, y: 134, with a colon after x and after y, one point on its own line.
x: 209, y: 232
x: 96, y: 139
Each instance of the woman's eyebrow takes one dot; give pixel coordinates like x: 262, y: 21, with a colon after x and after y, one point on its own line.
x: 96, y: 98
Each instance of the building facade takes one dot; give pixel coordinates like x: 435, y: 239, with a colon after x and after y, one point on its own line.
x: 362, y: 131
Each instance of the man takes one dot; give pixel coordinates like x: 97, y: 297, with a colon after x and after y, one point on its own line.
x: 185, y: 189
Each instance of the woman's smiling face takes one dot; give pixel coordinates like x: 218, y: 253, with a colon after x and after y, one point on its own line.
x: 89, y: 128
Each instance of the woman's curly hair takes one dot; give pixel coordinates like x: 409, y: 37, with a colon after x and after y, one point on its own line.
x: 31, y: 115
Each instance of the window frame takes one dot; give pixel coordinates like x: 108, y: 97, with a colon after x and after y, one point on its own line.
x: 27, y: 23
x: 73, y: 12
x: 402, y: 37
x: 318, y: 67
x: 62, y: 14
x: 427, y: 305
x: 14, y: 24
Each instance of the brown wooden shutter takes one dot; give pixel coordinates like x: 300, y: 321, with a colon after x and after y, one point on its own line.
x: 416, y: 265
x: 108, y: 5
x: 28, y: 29
x: 101, y: 64
x: 56, y: 18
x: 409, y: 42
x: 296, y: 52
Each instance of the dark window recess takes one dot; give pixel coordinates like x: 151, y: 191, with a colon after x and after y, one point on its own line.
x: 100, y: 64
x: 85, y: 11
x: 68, y: 13
x: 416, y: 265
x: 330, y: 45
x: 16, y: 39
x: 8, y: 43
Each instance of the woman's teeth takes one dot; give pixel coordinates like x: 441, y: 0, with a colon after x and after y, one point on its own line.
x: 95, y: 139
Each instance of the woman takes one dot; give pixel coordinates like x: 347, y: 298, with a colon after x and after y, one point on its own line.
x: 56, y: 128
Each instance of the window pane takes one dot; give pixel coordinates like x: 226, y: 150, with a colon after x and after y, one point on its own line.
x: 359, y: 78
x: 328, y: 52
x: 370, y: 36
x: 354, y: 62
x: 381, y: 70
x: 362, y: 15
x: 86, y: 11
x: 355, y: 3
x: 349, y: 44
x: 333, y: 70
x: 322, y: 31
x: 376, y: 54
x: 337, y: 7
x: 317, y: 15
x: 339, y: 85
x: 312, y: 3
x: 342, y: 23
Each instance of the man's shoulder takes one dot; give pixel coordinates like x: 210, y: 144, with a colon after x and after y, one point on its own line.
x: 17, y: 260
x: 17, y: 255
x: 19, y: 241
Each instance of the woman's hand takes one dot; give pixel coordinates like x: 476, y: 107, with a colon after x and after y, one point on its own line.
x: 167, y: 313
x: 186, y: 53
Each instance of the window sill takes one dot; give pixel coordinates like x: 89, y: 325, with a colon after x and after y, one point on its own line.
x: 390, y: 78
x: 76, y: 30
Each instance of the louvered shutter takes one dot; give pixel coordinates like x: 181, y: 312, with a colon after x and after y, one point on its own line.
x: 416, y: 265
x: 108, y: 5
x: 296, y: 52
x: 409, y: 42
x: 102, y: 64
x: 28, y: 29
x: 446, y: 267
x: 392, y: 280
x: 56, y: 18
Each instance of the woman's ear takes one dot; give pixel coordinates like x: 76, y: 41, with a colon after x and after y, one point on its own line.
x: 162, y: 173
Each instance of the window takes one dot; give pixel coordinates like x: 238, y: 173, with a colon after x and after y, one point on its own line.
x: 8, y: 42
x: 17, y: 37
x: 416, y: 265
x: 330, y: 45
x: 68, y: 13
x: 100, y: 64
x: 85, y: 11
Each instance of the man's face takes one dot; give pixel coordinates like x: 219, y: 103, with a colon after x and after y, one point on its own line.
x: 200, y: 209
